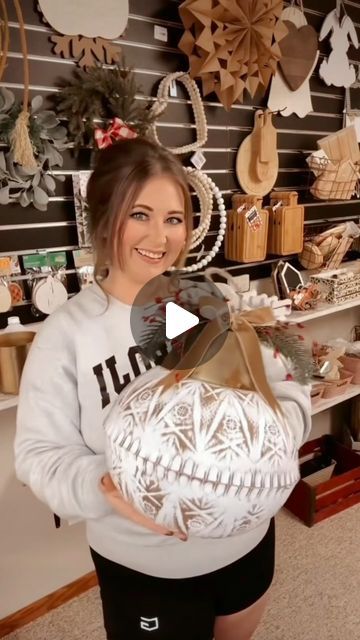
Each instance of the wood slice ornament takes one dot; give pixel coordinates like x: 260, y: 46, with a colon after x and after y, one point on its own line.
x: 87, y: 27
x: 257, y: 161
x: 282, y: 98
x: 49, y: 294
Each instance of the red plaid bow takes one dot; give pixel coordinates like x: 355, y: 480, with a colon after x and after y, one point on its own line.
x: 117, y: 130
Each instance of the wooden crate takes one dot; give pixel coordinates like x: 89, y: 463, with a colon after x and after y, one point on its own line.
x: 314, y: 504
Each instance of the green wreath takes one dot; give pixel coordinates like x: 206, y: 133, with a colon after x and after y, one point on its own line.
x: 101, y: 94
x: 30, y: 185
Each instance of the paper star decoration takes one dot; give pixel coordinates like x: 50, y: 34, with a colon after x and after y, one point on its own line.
x: 232, y: 45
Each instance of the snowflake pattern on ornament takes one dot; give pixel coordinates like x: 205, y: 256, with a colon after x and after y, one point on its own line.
x: 208, y: 460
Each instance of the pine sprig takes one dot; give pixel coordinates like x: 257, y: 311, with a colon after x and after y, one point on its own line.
x: 101, y: 94
x: 153, y: 338
x: 292, y: 347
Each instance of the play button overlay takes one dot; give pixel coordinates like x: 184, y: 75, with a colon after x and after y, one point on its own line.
x: 178, y: 320
x: 169, y: 314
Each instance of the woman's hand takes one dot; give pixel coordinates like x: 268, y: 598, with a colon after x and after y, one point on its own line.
x: 125, y: 509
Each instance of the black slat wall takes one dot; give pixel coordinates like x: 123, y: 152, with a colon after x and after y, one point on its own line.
x: 23, y: 230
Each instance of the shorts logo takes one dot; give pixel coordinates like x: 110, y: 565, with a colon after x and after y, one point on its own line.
x: 149, y: 624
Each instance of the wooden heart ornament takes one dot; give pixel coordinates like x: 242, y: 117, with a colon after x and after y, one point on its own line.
x: 298, y: 53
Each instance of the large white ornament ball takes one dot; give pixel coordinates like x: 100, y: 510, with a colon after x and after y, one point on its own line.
x: 208, y: 460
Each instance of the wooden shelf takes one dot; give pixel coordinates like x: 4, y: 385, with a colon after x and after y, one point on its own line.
x: 322, y: 309
x: 7, y: 401
x: 322, y: 405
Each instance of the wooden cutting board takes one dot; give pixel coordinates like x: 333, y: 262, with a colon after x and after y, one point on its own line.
x: 341, y: 145
x: 257, y: 161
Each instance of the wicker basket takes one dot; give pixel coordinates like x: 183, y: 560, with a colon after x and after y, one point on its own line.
x: 334, y: 388
x: 311, y: 256
x: 337, y: 181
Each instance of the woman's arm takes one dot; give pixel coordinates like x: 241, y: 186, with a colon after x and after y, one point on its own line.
x: 51, y: 456
x: 294, y: 399
x: 295, y: 402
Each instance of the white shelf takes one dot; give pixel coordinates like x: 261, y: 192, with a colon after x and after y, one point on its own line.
x: 322, y: 405
x: 33, y: 326
x: 322, y: 309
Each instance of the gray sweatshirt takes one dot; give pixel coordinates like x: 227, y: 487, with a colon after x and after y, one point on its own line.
x: 82, y: 357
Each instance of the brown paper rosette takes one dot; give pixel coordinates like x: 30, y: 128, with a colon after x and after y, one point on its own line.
x: 232, y: 45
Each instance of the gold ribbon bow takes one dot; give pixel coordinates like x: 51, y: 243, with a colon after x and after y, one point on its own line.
x: 242, y: 326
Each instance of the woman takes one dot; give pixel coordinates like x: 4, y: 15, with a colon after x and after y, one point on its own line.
x: 151, y: 579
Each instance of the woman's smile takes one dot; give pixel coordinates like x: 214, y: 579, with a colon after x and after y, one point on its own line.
x: 152, y: 257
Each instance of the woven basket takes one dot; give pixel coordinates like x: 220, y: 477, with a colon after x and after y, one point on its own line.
x: 311, y: 256
x: 337, y: 181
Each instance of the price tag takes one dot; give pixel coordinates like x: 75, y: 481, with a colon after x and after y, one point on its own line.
x: 198, y: 159
x: 160, y: 33
x: 253, y: 218
x: 173, y: 89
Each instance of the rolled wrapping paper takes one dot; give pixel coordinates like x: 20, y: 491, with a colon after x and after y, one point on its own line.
x: 207, y: 451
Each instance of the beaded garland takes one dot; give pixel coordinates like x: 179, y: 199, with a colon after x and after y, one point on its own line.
x: 204, y: 187
x: 208, y: 186
x: 199, y: 112
x: 199, y: 181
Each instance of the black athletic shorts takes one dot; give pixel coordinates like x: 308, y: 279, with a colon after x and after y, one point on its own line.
x: 135, y: 604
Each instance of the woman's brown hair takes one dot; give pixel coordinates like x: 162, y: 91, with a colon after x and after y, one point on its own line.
x: 118, y: 177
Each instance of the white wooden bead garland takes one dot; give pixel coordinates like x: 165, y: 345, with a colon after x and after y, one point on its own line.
x: 198, y: 109
x: 199, y: 181
x: 214, y: 191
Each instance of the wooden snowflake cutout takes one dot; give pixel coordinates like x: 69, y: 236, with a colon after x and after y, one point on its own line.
x: 87, y: 51
x: 232, y: 45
